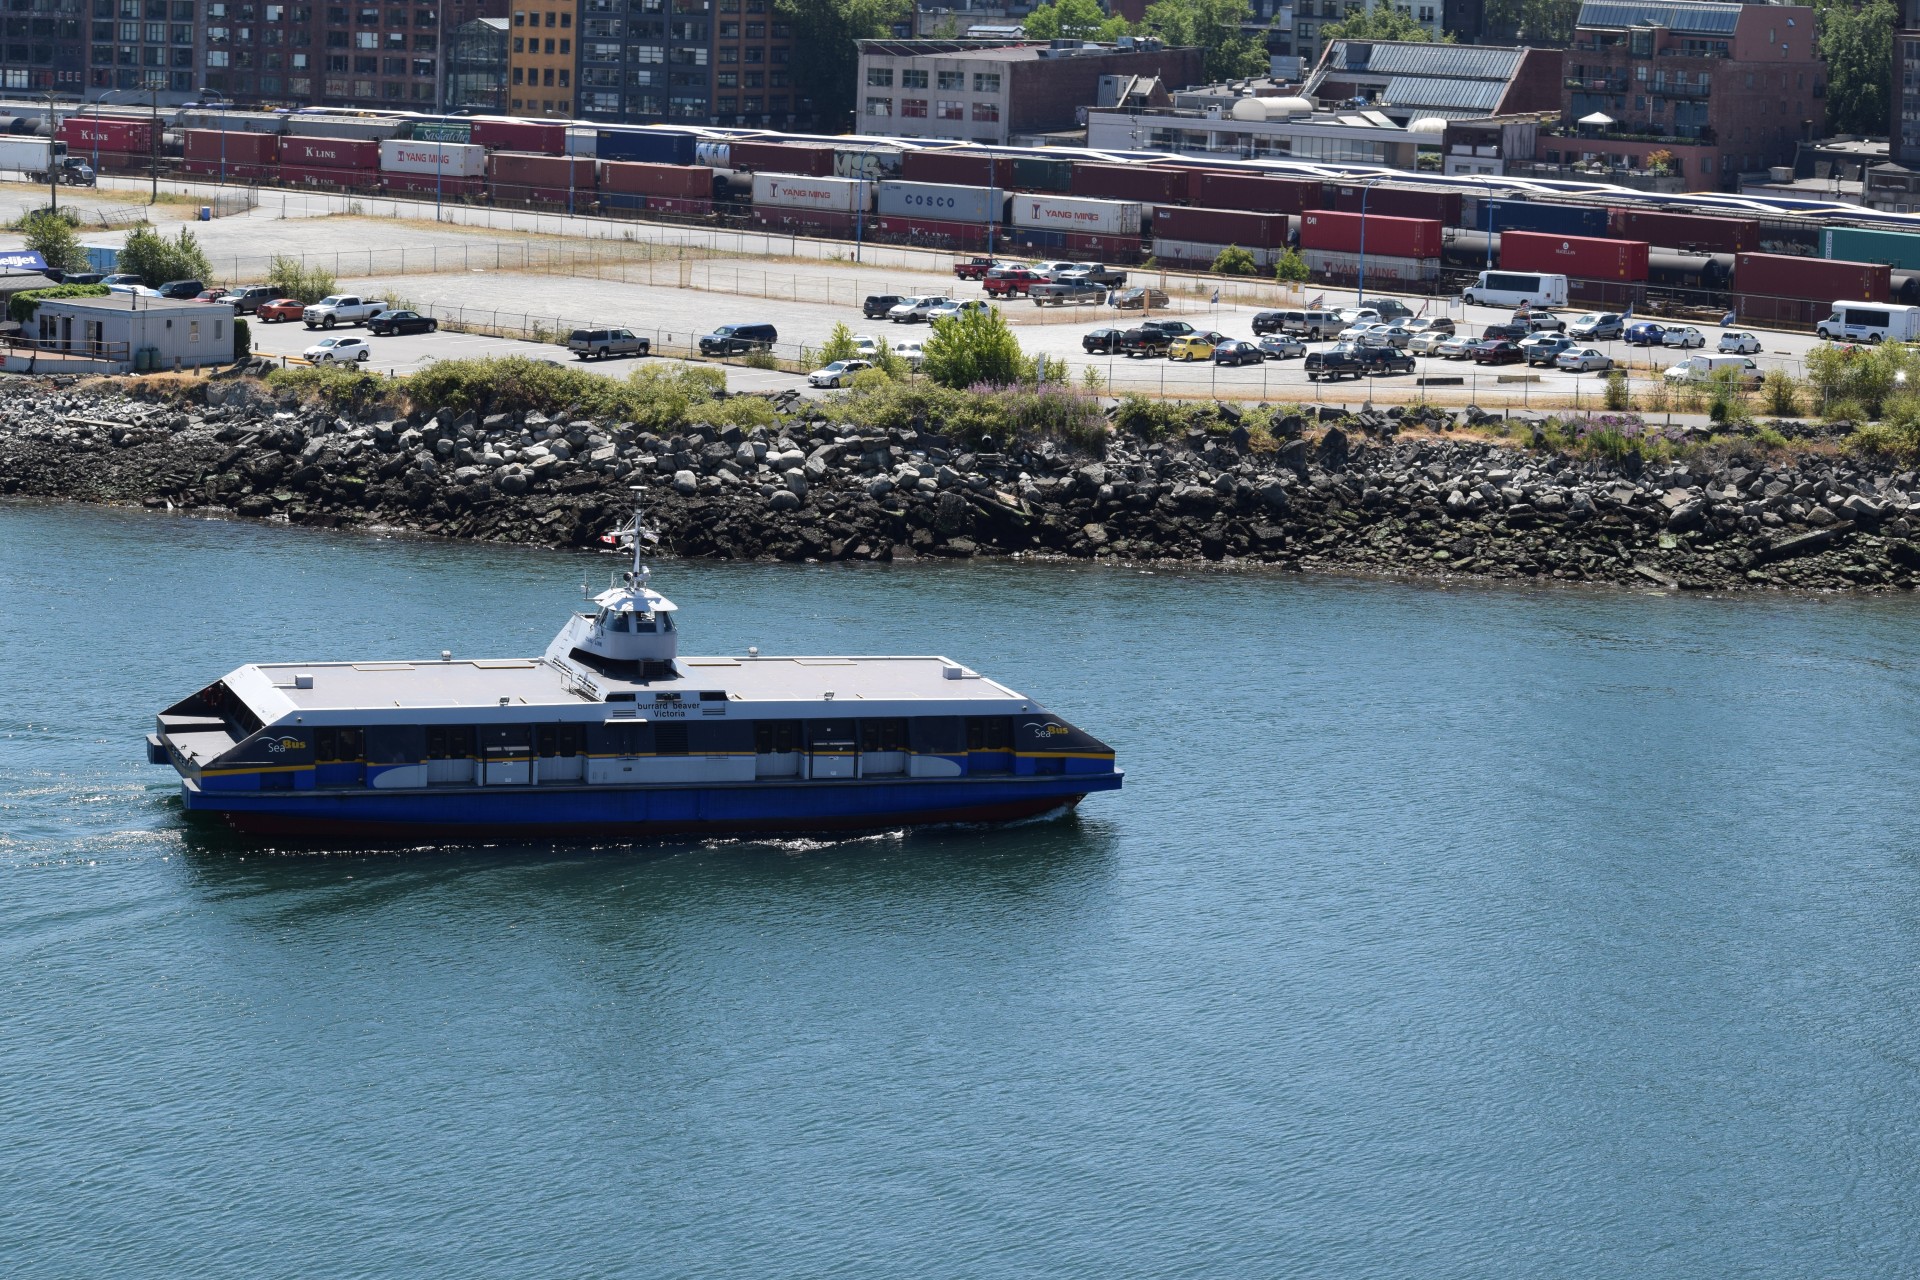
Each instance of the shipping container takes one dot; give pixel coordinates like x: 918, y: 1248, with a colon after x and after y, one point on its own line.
x: 871, y: 163
x: 434, y: 159
x: 1687, y: 231
x: 822, y: 222
x: 1331, y: 267
x: 684, y: 182
x: 1899, y: 249
x: 443, y: 187
x: 330, y: 153
x: 1257, y: 194
x: 1534, y: 215
x: 231, y: 170
x: 1037, y: 173
x: 957, y: 168
x: 447, y: 129
x: 1606, y: 295
x: 942, y: 203
x: 1201, y: 253
x: 541, y: 179
x: 323, y: 125
x: 1223, y: 226
x: 230, y: 121
x: 1575, y: 257
x: 795, y: 191
x: 1334, y: 232
x: 103, y: 258
x: 716, y: 155
x: 1396, y: 202
x: 583, y: 142
x: 257, y: 149
x: 649, y: 146
x: 322, y: 178
x: 1075, y: 216
x: 1041, y: 243
x: 1780, y: 313
x: 1821, y: 280
x: 109, y: 135
x: 533, y: 137
x: 1146, y: 184
x: 932, y: 232
x: 782, y: 157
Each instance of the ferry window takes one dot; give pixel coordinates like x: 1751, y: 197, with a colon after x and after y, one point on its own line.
x: 770, y: 736
x: 337, y: 744
x: 883, y: 735
x: 644, y: 626
x: 670, y: 739
x: 558, y: 740
x: 619, y: 623
x: 449, y: 742
x: 989, y: 733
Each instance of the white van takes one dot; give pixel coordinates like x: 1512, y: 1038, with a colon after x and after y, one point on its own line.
x: 1870, y: 322
x: 1701, y: 368
x: 1517, y: 288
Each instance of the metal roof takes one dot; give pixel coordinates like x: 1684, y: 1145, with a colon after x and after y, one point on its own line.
x: 1482, y: 96
x: 1711, y: 17
x: 1443, y: 61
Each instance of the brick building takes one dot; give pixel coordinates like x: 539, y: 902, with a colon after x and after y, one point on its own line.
x: 1903, y: 130
x: 968, y: 92
x: 541, y: 59
x: 721, y: 62
x: 368, y: 53
x: 1724, y: 88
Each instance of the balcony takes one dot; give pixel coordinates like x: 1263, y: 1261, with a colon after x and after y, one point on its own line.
x: 1659, y: 90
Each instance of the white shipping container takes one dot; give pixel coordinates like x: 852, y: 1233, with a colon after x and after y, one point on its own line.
x: 1198, y: 252
x: 583, y: 142
x: 797, y: 191
x: 865, y: 162
x: 448, y: 159
x: 937, y: 200
x: 715, y: 155
x: 1076, y: 217
x: 29, y: 155
x: 1379, y: 267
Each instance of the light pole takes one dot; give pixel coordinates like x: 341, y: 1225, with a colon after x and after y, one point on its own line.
x: 1361, y: 272
x: 53, y: 169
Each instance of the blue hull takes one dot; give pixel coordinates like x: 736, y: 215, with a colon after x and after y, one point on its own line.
x: 641, y: 812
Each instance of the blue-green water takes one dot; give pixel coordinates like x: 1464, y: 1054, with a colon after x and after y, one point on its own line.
x: 1437, y: 933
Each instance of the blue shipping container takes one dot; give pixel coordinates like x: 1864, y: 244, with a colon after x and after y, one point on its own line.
x: 623, y: 201
x: 1544, y: 219
x: 1035, y: 237
x: 103, y: 258
x: 649, y: 146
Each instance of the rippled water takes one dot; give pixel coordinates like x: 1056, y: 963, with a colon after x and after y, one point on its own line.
x: 1436, y: 933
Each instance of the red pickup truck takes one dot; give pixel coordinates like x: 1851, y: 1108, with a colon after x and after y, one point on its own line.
x: 977, y: 268
x: 1005, y: 282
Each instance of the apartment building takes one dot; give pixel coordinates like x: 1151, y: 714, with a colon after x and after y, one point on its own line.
x: 374, y: 53
x: 719, y: 62
x: 541, y: 59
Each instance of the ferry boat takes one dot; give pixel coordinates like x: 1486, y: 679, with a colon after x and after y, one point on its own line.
x: 610, y: 734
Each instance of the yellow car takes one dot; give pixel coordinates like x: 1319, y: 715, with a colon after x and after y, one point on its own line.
x: 1194, y: 346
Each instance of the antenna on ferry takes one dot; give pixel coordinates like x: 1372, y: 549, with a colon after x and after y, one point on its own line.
x: 640, y: 535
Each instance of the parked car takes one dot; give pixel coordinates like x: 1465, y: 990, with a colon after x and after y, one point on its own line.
x: 738, y: 339
x: 1544, y: 348
x: 837, y: 374
x: 590, y: 344
x: 1052, y: 269
x: 1265, y: 322
x: 1354, y: 332
x: 1541, y: 322
x: 1237, y: 352
x: 1509, y: 332
x: 1458, y: 347
x: 1498, y: 351
x: 181, y: 290
x: 1067, y: 292
x: 1092, y: 273
x: 1428, y: 344
x: 121, y: 277
x: 1360, y: 315
x: 1686, y: 339
x: 1386, y: 335
x: 1101, y: 341
x: 414, y: 322
x: 1703, y: 368
x: 1391, y: 309
x: 1153, y: 337
x: 1645, y: 334
x: 281, y: 309
x: 1006, y: 282
x: 878, y: 304
x: 1137, y: 299
x: 947, y: 310
x: 341, y: 308
x: 921, y: 308
x: 1335, y: 363
x: 865, y: 345
x: 1278, y: 346
x: 1739, y: 344
x: 909, y: 350
x: 1583, y: 360
x: 338, y: 351
x: 976, y: 268
x: 1596, y: 326
x: 1381, y: 360
x: 248, y: 299
x: 1195, y: 346
x: 210, y: 295
x: 76, y: 277
x: 1428, y: 324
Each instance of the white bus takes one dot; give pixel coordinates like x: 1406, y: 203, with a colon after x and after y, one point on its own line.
x: 1870, y: 322
x: 1517, y: 288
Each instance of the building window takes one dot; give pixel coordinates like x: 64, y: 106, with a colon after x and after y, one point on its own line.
x: 950, y: 110
x: 879, y: 106
x: 913, y: 108
x: 954, y: 80
x: 880, y: 77
x: 986, y: 113
x: 913, y: 79
x: 986, y: 82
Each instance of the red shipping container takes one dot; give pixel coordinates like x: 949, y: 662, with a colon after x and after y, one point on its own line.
x: 782, y: 157
x: 631, y: 177
x: 292, y: 175
x: 1399, y: 202
x: 804, y: 221
x: 1258, y: 194
x: 958, y: 235
x: 515, y: 175
x: 1576, y: 257
x: 330, y: 153
x: 1224, y: 226
x: 424, y: 184
x: 1821, y: 280
x: 234, y: 147
x: 1687, y: 230
x: 1394, y: 237
x: 118, y: 135
x: 1140, y: 183
x: 957, y: 168
x: 520, y: 135
x: 232, y: 172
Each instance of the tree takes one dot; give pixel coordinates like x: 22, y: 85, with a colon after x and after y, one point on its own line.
x: 973, y: 347
x: 1546, y: 23
x: 1291, y: 268
x: 156, y: 259
x: 51, y: 235
x: 826, y: 31
x: 289, y: 278
x: 1235, y: 261
x: 1383, y: 22
x: 1074, y: 20
x: 1219, y: 29
x: 1858, y: 46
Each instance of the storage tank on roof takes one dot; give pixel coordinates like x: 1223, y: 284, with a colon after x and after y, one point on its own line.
x: 1270, y: 108
x: 1428, y: 124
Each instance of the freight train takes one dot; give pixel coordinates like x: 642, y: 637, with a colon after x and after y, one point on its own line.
x: 1418, y: 231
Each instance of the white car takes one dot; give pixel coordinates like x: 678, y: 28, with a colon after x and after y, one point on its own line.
x: 1583, y: 360
x: 1354, y: 333
x: 1685, y: 339
x: 920, y: 308
x: 837, y: 374
x: 1739, y: 344
x: 1702, y: 369
x: 867, y: 345
x: 1278, y: 346
x: 1359, y: 317
x: 1053, y: 270
x: 1458, y: 347
x: 338, y: 350
x: 1385, y: 335
x: 952, y: 308
x: 912, y: 352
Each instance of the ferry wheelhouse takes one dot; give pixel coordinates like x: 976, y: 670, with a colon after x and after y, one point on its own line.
x: 611, y: 734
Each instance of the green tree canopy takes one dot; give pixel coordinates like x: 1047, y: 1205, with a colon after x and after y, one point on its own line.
x: 824, y: 32
x: 1858, y: 46
x: 156, y: 259
x: 1220, y: 28
x: 1074, y: 20
x: 51, y: 235
x: 973, y: 347
x: 1384, y: 22
x: 1547, y: 23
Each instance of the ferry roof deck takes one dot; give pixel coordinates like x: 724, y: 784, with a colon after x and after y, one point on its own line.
x: 484, y: 682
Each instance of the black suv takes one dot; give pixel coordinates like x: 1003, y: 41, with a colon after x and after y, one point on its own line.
x: 878, y: 304
x: 181, y: 290
x: 1268, y: 322
x: 737, y: 339
x: 1504, y: 333
x: 1379, y: 360
x: 1102, y: 341
x: 1336, y: 363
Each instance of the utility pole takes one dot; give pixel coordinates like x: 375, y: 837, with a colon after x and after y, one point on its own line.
x: 53, y: 169
x: 153, y: 142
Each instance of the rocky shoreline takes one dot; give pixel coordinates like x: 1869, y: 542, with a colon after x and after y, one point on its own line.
x: 1369, y: 493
